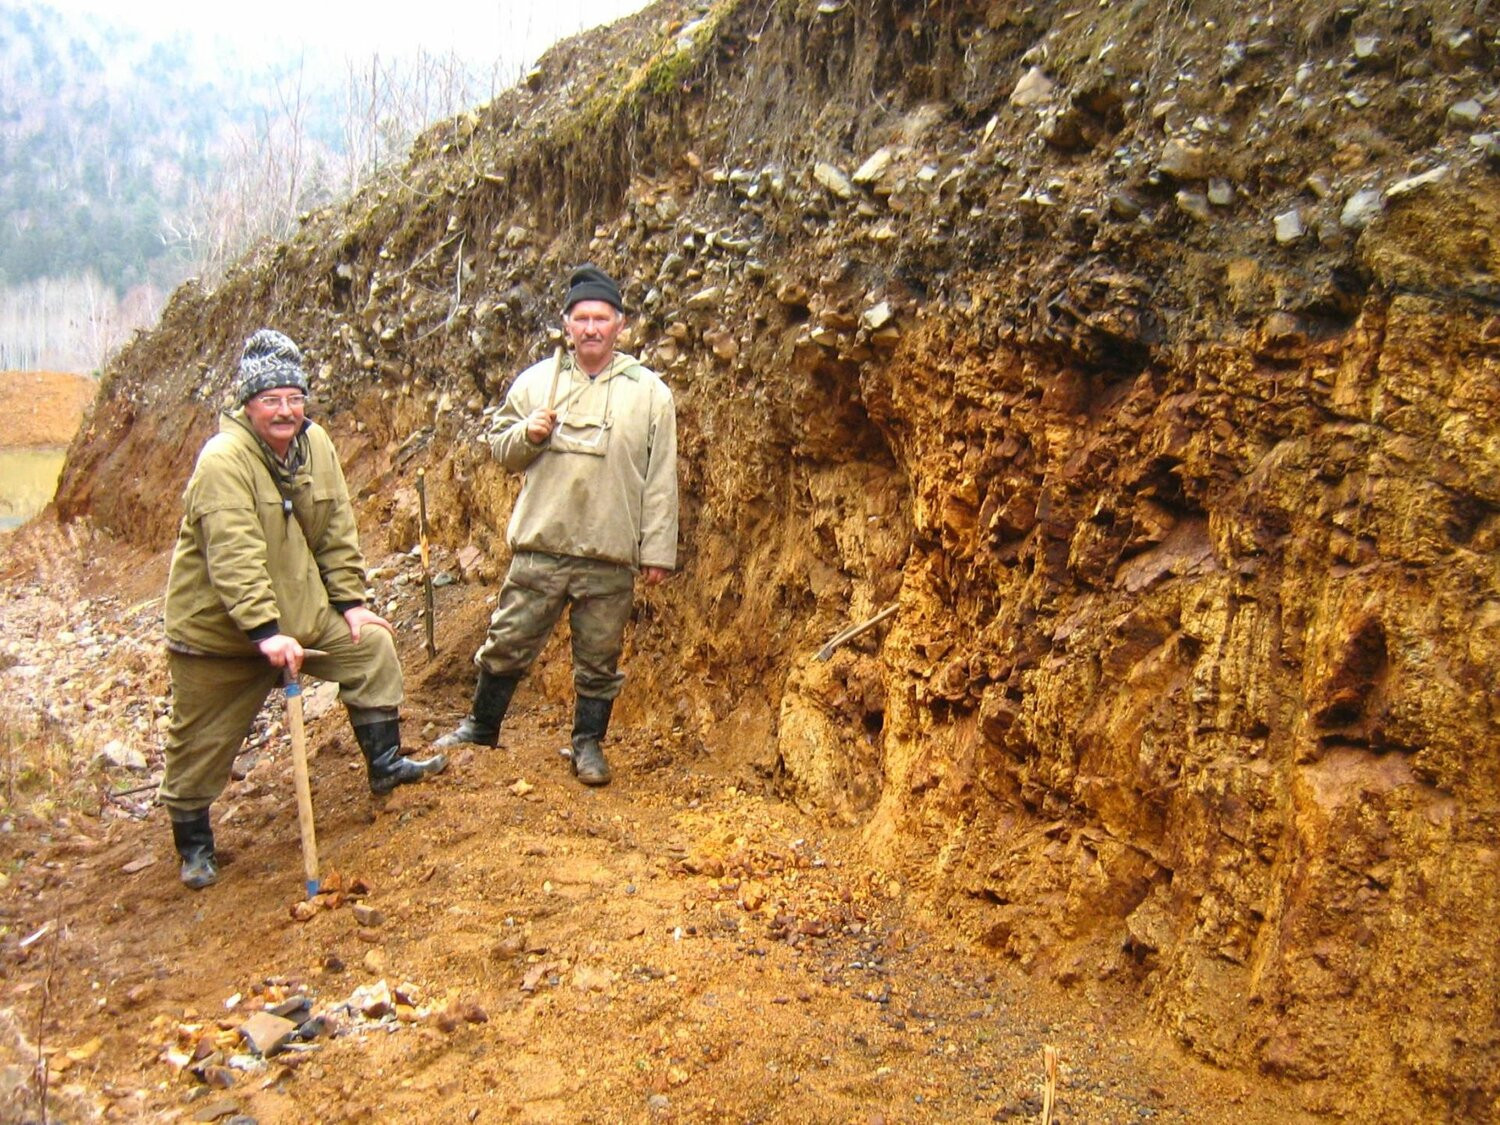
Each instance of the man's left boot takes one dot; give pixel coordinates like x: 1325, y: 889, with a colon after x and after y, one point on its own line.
x: 193, y: 837
x: 380, y: 743
x: 590, y: 723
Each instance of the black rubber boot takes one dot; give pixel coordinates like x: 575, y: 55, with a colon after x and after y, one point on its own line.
x: 194, y: 837
x: 491, y: 701
x: 590, y: 723
x: 388, y: 767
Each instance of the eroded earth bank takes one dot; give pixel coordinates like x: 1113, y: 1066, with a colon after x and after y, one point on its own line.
x: 1142, y: 359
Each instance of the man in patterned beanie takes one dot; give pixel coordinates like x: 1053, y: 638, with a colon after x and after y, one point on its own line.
x: 268, y: 565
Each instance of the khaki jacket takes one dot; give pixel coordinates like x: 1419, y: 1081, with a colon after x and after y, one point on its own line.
x: 604, y: 484
x: 242, y: 562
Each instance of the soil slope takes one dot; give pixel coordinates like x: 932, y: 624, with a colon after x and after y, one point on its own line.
x: 503, y: 944
x: 1143, y: 361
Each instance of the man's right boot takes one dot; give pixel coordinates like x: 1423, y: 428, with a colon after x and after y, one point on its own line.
x: 194, y: 838
x: 491, y: 700
x: 387, y: 766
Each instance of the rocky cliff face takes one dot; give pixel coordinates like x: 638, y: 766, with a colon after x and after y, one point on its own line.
x: 1145, y: 357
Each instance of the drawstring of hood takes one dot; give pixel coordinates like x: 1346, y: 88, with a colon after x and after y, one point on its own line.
x: 283, y: 471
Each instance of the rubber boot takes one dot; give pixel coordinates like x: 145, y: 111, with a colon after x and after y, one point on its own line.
x: 491, y: 701
x: 590, y: 722
x: 194, y: 837
x: 388, y: 767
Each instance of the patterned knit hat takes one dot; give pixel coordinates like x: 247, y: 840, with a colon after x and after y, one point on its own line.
x: 270, y: 360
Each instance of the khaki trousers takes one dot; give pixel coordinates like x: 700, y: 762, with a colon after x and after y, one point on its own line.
x: 537, y: 587
x: 215, y: 700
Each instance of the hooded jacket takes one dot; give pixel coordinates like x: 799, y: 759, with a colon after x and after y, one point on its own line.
x: 604, y: 484
x: 246, y: 567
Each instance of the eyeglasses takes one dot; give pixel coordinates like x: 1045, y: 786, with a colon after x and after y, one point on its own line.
x: 281, y: 402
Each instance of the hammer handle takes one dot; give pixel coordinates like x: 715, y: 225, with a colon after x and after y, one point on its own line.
x: 293, y: 692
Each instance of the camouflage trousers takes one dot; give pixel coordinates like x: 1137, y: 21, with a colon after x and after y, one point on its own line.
x: 537, y: 588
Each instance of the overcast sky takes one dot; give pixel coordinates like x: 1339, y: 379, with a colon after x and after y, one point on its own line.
x: 480, y: 31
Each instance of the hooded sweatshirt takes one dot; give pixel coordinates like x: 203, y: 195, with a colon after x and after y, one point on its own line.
x: 604, y: 484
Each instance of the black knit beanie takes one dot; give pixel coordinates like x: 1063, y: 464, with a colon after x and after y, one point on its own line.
x: 590, y: 283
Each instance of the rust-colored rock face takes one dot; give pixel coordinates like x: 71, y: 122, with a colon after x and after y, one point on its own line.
x: 1149, y: 368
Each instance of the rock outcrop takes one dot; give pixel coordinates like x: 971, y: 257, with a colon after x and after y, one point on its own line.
x: 1145, y: 357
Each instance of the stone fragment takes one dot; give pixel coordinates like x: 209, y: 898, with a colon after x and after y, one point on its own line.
x: 833, y: 179
x: 722, y: 342
x: 367, y: 915
x: 215, y: 1110
x: 873, y: 168
x: 1194, y: 204
x: 1368, y: 50
x: 295, y: 1008
x: 1465, y: 114
x: 1360, y: 209
x: 372, y: 1000
x: 1123, y: 204
x: 1319, y: 184
x: 1033, y: 88
x: 752, y: 896
x: 1182, y: 161
x: 1459, y: 48
x: 1065, y: 130
x: 877, y: 316
x: 1281, y: 329
x: 705, y: 298
x: 116, y: 753
x: 1150, y: 927
x: 1231, y: 59
x: 1289, y: 227
x: 266, y: 1033
x: 317, y: 700
x: 1220, y: 192
x: 1416, y: 183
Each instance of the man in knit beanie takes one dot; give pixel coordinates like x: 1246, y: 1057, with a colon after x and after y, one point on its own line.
x: 267, y: 566
x: 594, y: 435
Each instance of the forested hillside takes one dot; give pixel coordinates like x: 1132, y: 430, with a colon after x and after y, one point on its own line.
x: 127, y: 165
